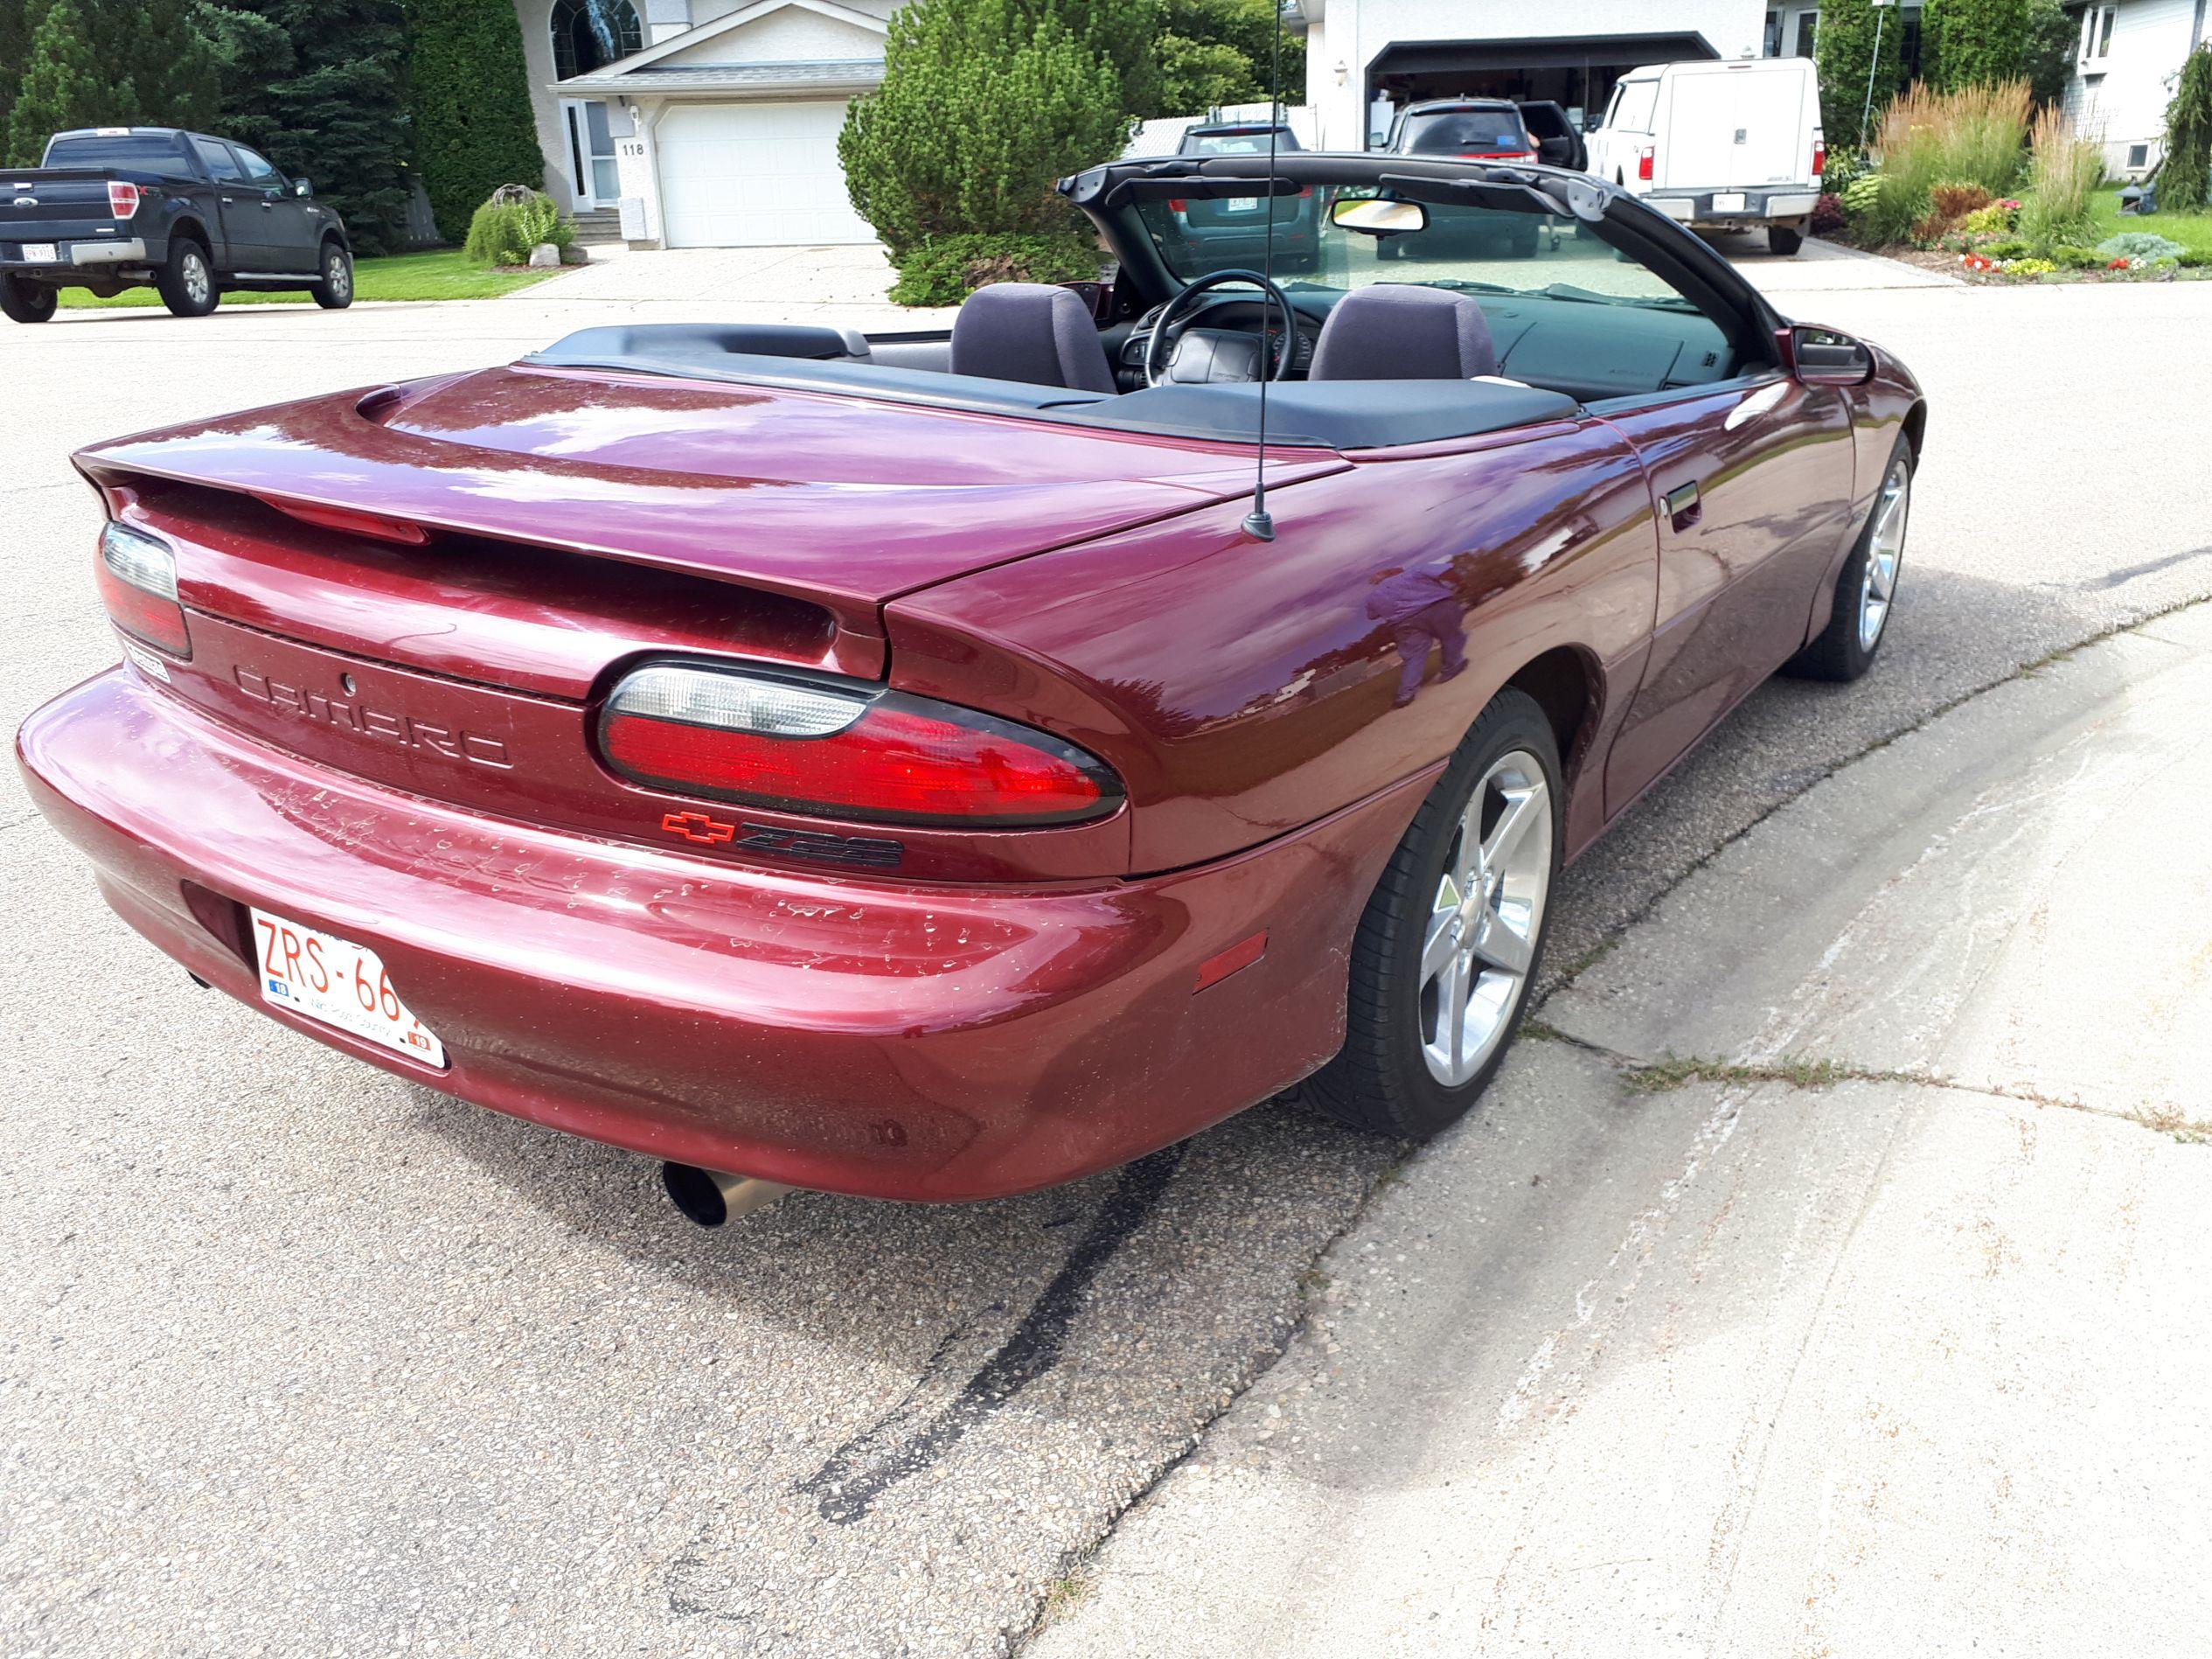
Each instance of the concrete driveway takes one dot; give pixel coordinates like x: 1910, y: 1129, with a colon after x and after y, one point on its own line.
x: 293, y: 1355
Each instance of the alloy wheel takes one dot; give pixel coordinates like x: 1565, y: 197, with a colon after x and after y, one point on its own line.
x: 1480, y: 939
x: 1885, y: 551
x: 195, y: 279
x: 338, y: 274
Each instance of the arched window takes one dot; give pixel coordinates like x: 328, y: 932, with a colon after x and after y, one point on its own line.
x: 590, y: 34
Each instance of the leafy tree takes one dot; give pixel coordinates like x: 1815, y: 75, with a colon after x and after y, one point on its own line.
x: 315, y: 86
x: 1972, y: 43
x: 984, y: 104
x: 2185, y: 178
x: 2052, y: 33
x: 63, y: 84
x: 1124, y: 32
x: 469, y: 96
x: 1846, y: 53
x: 1215, y: 51
x: 105, y: 63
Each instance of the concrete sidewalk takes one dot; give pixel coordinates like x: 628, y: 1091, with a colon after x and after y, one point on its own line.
x: 1869, y: 1320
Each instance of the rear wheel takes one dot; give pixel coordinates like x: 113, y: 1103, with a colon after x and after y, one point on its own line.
x: 1522, y: 244
x: 187, y: 285
x: 333, y: 290
x: 22, y: 302
x: 1866, y: 588
x: 1452, y: 937
x: 1784, y: 240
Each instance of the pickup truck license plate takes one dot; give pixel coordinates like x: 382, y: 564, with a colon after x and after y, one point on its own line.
x: 339, y: 983
x: 1728, y: 201
x: 40, y: 254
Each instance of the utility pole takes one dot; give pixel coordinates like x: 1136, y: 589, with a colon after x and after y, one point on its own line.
x: 1866, y: 112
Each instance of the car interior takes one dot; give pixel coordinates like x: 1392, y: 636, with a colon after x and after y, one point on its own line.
x: 1394, y: 361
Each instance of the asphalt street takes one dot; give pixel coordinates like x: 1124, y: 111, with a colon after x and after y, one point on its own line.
x: 294, y: 1357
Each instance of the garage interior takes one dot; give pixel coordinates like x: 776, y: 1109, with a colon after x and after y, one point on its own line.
x: 1577, y: 72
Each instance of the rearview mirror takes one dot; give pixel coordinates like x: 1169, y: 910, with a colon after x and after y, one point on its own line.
x: 302, y: 188
x: 1377, y: 216
x: 1822, y: 357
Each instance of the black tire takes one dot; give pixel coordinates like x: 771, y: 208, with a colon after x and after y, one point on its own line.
x: 22, y: 301
x: 1381, y: 1080
x: 333, y: 290
x: 1386, y: 248
x: 1522, y: 244
x: 187, y: 283
x: 1784, y: 240
x: 1841, y: 652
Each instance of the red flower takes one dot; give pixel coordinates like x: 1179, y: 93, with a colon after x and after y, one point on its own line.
x: 2119, y: 264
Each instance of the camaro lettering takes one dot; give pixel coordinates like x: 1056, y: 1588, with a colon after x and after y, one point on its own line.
x: 403, y: 729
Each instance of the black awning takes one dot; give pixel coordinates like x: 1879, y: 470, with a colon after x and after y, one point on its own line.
x: 1558, y: 51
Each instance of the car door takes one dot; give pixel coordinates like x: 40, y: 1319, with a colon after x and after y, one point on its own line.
x: 291, y: 230
x: 236, y: 206
x: 1751, y: 480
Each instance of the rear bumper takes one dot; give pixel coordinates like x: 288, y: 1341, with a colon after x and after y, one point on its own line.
x: 74, y: 256
x: 913, y: 1043
x: 1720, y: 209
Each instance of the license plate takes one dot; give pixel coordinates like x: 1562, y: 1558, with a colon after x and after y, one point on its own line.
x: 1728, y: 201
x: 340, y: 983
x: 1241, y: 205
x: 39, y: 253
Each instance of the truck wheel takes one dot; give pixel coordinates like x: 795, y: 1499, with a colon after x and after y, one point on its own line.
x: 27, y: 302
x: 335, y: 291
x: 1453, y: 941
x: 1784, y: 240
x: 188, y: 285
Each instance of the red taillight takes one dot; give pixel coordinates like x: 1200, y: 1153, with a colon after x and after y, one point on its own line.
x: 1644, y: 163
x: 1819, y: 160
x: 845, y: 752
x: 1307, y: 191
x: 138, y: 585
x: 122, y: 199
x: 401, y: 530
x: 1176, y: 203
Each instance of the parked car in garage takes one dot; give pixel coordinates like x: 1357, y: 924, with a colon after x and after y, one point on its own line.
x: 186, y: 213
x: 1007, y: 795
x: 1719, y: 146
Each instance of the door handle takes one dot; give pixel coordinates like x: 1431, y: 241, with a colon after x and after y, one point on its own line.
x: 1683, y: 505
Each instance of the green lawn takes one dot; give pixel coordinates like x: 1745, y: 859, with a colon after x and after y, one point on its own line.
x: 441, y: 276
x: 2191, y: 230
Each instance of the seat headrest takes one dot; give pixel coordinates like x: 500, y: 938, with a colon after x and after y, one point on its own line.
x: 1404, y: 331
x: 1030, y: 331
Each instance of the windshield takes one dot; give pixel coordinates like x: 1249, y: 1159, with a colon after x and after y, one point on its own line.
x: 1476, y: 250
x: 133, y: 152
x: 1237, y: 143
x: 1452, y: 132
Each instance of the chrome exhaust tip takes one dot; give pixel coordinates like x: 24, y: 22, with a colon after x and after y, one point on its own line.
x: 709, y: 1197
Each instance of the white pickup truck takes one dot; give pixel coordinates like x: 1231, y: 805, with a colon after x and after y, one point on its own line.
x: 1720, y: 146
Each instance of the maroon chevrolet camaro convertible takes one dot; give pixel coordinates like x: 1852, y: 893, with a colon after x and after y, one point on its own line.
x: 910, y: 765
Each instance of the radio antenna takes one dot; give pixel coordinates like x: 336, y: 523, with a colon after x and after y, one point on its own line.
x: 1259, y: 521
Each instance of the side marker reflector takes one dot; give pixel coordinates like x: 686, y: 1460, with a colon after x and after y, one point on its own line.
x: 1218, y: 967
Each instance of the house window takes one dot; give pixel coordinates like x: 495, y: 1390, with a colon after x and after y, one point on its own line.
x: 590, y: 34
x: 2139, y: 157
x: 2096, y: 32
x: 1808, y: 31
x: 1771, y: 41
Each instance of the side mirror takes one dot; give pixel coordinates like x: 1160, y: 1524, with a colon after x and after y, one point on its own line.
x: 1823, y: 357
x: 1377, y: 215
x: 303, y: 188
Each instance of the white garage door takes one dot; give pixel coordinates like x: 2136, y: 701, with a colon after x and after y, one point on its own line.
x: 754, y: 175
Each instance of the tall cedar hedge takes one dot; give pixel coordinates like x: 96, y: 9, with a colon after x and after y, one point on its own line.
x: 984, y: 104
x: 469, y: 97
x: 1844, y: 52
x: 1971, y: 43
x: 2185, y: 179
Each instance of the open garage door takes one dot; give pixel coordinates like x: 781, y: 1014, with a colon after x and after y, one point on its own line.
x: 752, y: 175
x: 1577, y: 71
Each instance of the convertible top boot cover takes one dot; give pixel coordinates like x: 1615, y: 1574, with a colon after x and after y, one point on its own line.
x: 1030, y: 331
x: 1395, y: 331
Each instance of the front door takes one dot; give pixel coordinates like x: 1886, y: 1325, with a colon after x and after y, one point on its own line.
x: 1751, y: 480
x: 291, y: 233
x: 591, y: 153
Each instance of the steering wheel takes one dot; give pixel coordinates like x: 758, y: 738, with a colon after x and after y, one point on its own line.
x: 1177, y: 309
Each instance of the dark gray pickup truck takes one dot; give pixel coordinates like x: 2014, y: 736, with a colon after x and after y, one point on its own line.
x: 118, y: 207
